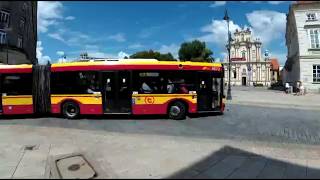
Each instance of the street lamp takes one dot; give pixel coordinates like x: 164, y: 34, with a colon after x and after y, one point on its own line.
x: 249, y: 45
x: 226, y: 18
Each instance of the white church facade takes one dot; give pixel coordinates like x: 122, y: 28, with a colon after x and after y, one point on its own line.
x: 248, y: 67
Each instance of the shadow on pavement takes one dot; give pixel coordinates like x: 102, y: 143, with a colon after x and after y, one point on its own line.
x: 104, y: 117
x: 232, y: 163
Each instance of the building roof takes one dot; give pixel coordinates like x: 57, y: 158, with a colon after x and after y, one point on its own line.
x: 274, y: 64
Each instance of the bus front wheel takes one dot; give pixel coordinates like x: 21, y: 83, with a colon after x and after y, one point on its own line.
x: 177, y: 111
x: 70, y: 110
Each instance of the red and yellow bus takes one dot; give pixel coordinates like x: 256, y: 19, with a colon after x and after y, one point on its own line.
x: 128, y: 86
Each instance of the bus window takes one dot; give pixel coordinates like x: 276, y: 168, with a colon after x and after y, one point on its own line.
x: 75, y: 83
x: 18, y: 84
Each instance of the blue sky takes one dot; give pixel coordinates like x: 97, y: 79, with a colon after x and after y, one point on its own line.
x: 115, y: 29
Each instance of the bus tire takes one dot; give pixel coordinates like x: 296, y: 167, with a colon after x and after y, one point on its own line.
x: 177, y: 111
x: 70, y: 110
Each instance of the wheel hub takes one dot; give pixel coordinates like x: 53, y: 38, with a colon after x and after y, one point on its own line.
x: 71, y: 111
x: 175, y: 110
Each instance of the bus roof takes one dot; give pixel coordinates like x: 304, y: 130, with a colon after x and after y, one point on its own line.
x: 135, y: 64
x: 20, y: 68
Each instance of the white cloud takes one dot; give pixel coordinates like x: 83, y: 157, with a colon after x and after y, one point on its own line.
x: 217, y: 32
x: 135, y: 46
x: 217, y: 4
x: 122, y: 54
x: 73, y: 38
x: 56, y: 36
x: 276, y: 2
x: 70, y: 18
x: 172, y: 48
x: 48, y: 14
x: 267, y: 25
x: 119, y: 37
x: 60, y: 53
x: 41, y: 58
x: 99, y: 54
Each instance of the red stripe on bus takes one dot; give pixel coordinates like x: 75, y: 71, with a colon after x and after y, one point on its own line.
x: 84, y: 108
x: 133, y: 67
x: 17, y: 109
x: 16, y: 70
x: 158, y: 108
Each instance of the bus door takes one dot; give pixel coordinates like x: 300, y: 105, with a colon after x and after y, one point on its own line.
x: 116, y: 92
x: 204, y: 91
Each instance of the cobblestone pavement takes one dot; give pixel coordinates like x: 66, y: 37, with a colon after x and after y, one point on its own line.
x: 251, y: 140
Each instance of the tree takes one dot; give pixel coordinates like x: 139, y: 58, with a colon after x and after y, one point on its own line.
x: 195, y: 51
x: 153, y: 55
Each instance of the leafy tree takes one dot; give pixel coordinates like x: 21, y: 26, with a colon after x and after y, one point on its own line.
x: 195, y: 51
x: 153, y: 55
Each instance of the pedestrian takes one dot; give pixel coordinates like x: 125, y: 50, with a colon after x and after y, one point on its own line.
x: 287, y: 86
x: 301, y: 89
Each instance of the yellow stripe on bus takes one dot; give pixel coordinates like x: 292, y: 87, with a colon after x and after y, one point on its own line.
x: 82, y: 98
x: 137, y: 62
x: 17, y: 100
x: 162, y: 98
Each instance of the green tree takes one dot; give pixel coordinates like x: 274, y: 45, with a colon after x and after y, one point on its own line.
x: 195, y: 51
x: 153, y: 55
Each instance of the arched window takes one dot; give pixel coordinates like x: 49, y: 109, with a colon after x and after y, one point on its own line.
x: 243, y: 54
x: 244, y: 70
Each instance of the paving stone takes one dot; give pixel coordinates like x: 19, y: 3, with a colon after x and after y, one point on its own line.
x: 274, y: 169
x: 224, y: 168
x: 295, y: 169
x: 249, y: 169
x: 6, y: 171
x: 31, y: 170
x: 313, y: 169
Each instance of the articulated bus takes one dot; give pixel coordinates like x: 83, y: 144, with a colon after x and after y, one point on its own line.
x: 128, y: 86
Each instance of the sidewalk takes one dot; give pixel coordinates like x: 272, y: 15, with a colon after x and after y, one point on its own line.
x: 154, y: 156
x: 273, y: 98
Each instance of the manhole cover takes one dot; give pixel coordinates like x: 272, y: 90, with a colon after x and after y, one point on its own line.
x: 75, y: 167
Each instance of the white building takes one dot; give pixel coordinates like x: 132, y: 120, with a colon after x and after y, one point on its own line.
x: 303, y: 43
x: 248, y: 67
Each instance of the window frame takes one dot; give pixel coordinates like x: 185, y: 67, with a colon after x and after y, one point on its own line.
x: 316, y: 38
x: 5, y: 13
x: 3, y: 37
x: 24, y: 23
x: 316, y: 73
x: 314, y: 16
x: 20, y: 43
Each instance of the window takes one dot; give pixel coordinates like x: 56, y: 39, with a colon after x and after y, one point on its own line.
x: 242, y: 37
x: 243, y: 54
x: 24, y: 7
x: 22, y: 22
x: 254, y: 54
x: 20, y: 42
x: 4, y: 19
x: 314, y: 38
x: 3, y: 37
x: 74, y: 83
x: 17, y: 84
x: 234, y: 74
x: 316, y: 73
x: 164, y: 82
x: 311, y: 16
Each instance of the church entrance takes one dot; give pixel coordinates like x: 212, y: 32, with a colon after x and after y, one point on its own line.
x: 244, y: 81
